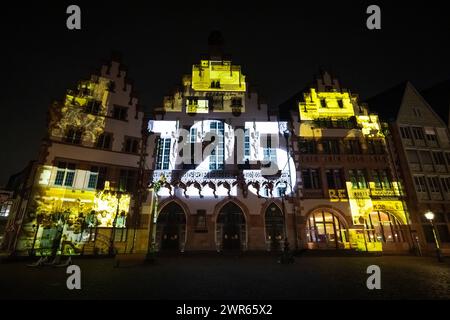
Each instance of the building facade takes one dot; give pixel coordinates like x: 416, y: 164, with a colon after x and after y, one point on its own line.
x: 421, y: 141
x: 84, y: 195
x: 222, y: 178
x: 350, y: 197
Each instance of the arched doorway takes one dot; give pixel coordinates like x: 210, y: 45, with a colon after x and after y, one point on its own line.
x: 325, y: 230
x: 171, y: 228
x: 384, y: 227
x: 274, y: 228
x: 230, y: 228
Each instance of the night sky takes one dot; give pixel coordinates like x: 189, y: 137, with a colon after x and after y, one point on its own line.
x: 281, y: 46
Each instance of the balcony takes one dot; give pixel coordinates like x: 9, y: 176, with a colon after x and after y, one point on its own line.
x: 194, y: 175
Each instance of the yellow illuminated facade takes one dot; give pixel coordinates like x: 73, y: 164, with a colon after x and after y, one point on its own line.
x: 217, y: 76
x: 343, y: 152
x: 212, y: 87
x: 85, y: 181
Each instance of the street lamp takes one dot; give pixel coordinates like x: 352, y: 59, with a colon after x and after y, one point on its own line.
x: 430, y: 217
x: 286, y: 134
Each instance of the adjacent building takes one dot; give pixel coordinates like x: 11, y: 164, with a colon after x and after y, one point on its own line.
x: 84, y: 195
x: 350, y: 196
x: 421, y: 142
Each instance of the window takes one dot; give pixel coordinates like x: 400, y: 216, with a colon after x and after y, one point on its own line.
x: 445, y: 181
x: 420, y: 183
x: 431, y: 136
x: 311, y: 179
x: 353, y: 146
x: 5, y: 208
x: 330, y: 146
x: 65, y: 174
x: 418, y: 133
x: 93, y: 107
x: 405, y: 132
x: 217, y: 157
x: 334, y: 178
x: 438, y: 158
x: 340, y: 103
x: 73, y: 136
x: 163, y: 154
x: 97, y: 178
x: 426, y: 157
x: 381, y: 179
x: 246, y: 144
x: 358, y: 179
x: 323, y: 103
x: 412, y: 156
x: 307, y: 146
x: 269, y: 153
x: 120, y: 113
x: 127, y: 180
x: 131, y: 145
x: 375, y: 146
x: 447, y: 156
x: 383, y: 227
x: 193, y: 135
x: 433, y: 183
x: 104, y: 141
x: 325, y: 227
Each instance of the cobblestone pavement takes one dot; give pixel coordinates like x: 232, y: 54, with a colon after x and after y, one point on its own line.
x: 231, y: 277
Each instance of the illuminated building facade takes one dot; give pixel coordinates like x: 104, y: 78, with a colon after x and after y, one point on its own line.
x: 221, y: 176
x: 422, y: 146
x: 350, y: 197
x: 84, y: 190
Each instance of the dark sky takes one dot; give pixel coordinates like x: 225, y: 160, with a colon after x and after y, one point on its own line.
x: 280, y: 46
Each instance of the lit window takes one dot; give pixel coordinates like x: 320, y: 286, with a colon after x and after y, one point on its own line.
x: 97, y: 177
x: 358, y: 179
x: 217, y: 157
x: 246, y: 144
x: 65, y: 174
x: 163, y: 154
x: 5, y: 208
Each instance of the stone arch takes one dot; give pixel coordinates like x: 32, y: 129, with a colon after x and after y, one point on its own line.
x: 326, y: 228
x: 171, y: 227
x: 274, y: 222
x: 236, y: 229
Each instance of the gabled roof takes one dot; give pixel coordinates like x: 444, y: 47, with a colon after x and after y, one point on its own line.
x: 438, y: 96
x: 387, y: 103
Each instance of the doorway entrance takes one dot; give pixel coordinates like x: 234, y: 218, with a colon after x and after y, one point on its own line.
x: 171, y: 226
x: 231, y: 227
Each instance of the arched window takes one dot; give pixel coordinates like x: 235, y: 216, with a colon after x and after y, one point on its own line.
x: 324, y: 227
x: 383, y: 227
